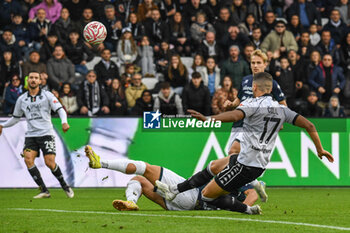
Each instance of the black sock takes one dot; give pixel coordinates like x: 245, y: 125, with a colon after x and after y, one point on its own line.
x: 195, y: 181
x: 228, y: 202
x: 58, y: 174
x: 34, y: 172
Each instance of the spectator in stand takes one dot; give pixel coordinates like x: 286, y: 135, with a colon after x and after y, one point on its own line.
x: 127, y: 48
x: 78, y: 53
x: 163, y: 57
x: 39, y: 28
x: 235, y: 37
x: 247, y: 52
x: 327, y: 79
x: 92, y: 97
x: 215, y: 6
x: 334, y: 109
x: 144, y: 10
x: 63, y: 26
x: 13, y: 91
x: 177, y: 74
x: 114, y: 28
x: 311, y: 108
x: 344, y: 9
x: 8, y: 43
x: 168, y: 102
x: 8, y: 68
x: 106, y: 69
x: 328, y: 46
x: 246, y: 27
x: 48, y: 47
x: 259, y: 9
x: 295, y: 27
x: 196, y: 96
x: 278, y: 5
x: 75, y: 8
x: 269, y: 23
x: 210, y: 48
x: 324, y: 6
x: 134, y: 91
x: 143, y: 104
x: 279, y: 41
x: 118, y: 104
x: 227, y: 92
x: 239, y: 11
x: 193, y: 8
x: 126, y: 77
x: 51, y: 7
x: 68, y: 99
x: 311, y: 64
x: 98, y: 8
x: 235, y: 67
x: 345, y: 54
x: 337, y: 27
x: 145, y: 51
x: 124, y: 8
x: 33, y: 64
x: 137, y: 28
x: 20, y: 31
x: 296, y: 64
x: 305, y: 46
x: 315, y: 38
x: 60, y: 69
x: 85, y: 18
x: 156, y: 30
x: 256, y: 37
x: 180, y: 35
x: 307, y: 13
x: 8, y: 9
x: 211, y: 77
x: 44, y: 85
x: 223, y: 23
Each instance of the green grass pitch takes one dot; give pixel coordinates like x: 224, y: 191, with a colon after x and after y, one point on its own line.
x: 321, y: 209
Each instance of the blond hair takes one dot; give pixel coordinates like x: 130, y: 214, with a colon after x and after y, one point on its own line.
x: 259, y: 53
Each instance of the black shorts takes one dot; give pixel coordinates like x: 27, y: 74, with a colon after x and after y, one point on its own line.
x: 45, y: 143
x: 235, y: 175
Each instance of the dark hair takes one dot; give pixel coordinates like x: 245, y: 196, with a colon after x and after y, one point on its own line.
x: 196, y: 75
x: 34, y: 51
x: 262, y: 76
x: 164, y: 85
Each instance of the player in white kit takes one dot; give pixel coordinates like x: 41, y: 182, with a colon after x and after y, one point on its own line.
x: 36, y: 106
x: 263, y: 118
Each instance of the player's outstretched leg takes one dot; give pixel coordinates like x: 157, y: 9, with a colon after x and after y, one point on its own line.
x: 133, y: 192
x: 259, y: 186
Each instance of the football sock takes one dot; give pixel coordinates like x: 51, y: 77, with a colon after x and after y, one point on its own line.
x: 254, y: 183
x: 34, y: 172
x: 133, y: 191
x: 195, y: 181
x: 228, y: 202
x: 122, y: 164
x: 59, y: 176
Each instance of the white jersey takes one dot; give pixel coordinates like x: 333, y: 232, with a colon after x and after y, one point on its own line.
x: 37, y: 111
x: 263, y: 119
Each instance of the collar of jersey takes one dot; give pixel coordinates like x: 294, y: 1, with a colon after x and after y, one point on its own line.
x: 39, y: 93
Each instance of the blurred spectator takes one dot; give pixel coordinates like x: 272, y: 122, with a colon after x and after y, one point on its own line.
x: 215, y: 6
x: 324, y: 6
x: 125, y: 8
x: 315, y: 38
x: 295, y: 27
x: 33, y: 64
x: 328, y: 46
x: 256, y: 37
x: 198, y: 65
x: 163, y: 57
x: 345, y: 54
x: 247, y: 52
x: 51, y: 7
x: 143, y: 104
x: 39, y: 28
x: 176, y: 74
x: 180, y: 35
x: 235, y: 67
x: 127, y: 75
x: 305, y: 46
x: 60, y: 69
x: 75, y: 8
x: 223, y: 23
x: 311, y: 64
x: 114, y: 27
x: 127, y: 48
x: 306, y: 11
x: 118, y: 104
x: 199, y: 28
x: 146, y: 58
x: 246, y: 27
x: 8, y: 43
x: 168, y: 102
x: 239, y: 11
x: 134, y: 91
x: 63, y: 26
x: 311, y: 108
x: 279, y: 41
x: 8, y: 68
x: 227, y: 92
x: 211, y: 77
x: 21, y: 33
x: 48, y: 47
x: 85, y: 18
x: 92, y: 97
x: 344, y: 9
x: 137, y: 28
x: 336, y: 26
x: 193, y: 8
x: 8, y: 9
x: 258, y: 8
x: 98, y: 8
x: 235, y: 37
x: 78, y: 53
x: 106, y: 69
x: 327, y: 79
x: 44, y: 85
x: 144, y: 10
x: 334, y: 109
x: 210, y: 48
x: 196, y: 96
x: 156, y: 30
x: 278, y: 5
x: 13, y: 91
x: 68, y: 99
x: 269, y: 23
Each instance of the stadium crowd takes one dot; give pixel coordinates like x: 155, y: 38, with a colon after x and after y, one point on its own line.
x: 175, y: 55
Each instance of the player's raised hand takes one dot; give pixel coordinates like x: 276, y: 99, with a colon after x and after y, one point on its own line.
x: 197, y: 115
x: 65, y: 127
x: 326, y: 154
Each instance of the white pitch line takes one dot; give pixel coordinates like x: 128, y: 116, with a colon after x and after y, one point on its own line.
x: 186, y: 216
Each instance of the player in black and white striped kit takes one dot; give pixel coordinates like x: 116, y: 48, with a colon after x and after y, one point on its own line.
x: 36, y: 106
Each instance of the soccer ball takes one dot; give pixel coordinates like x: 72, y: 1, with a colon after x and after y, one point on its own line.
x: 95, y: 33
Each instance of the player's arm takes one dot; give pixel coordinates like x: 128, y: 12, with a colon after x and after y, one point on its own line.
x: 231, y: 116
x: 251, y: 197
x: 302, y: 122
x: 57, y: 107
x: 10, y: 122
x: 63, y: 116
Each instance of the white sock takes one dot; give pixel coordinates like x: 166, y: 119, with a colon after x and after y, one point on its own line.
x: 133, y: 191
x: 173, y: 189
x: 121, y: 165
x: 254, y: 183
x: 249, y: 211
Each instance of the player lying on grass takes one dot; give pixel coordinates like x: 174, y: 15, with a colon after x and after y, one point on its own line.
x: 263, y: 117
x: 144, y: 183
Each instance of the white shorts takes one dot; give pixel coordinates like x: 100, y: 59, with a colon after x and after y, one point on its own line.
x: 183, y: 201
x: 236, y: 134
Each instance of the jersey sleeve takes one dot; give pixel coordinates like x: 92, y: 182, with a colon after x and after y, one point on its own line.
x: 290, y: 115
x: 240, y: 92
x: 17, y: 112
x: 248, y: 107
x: 277, y: 92
x: 54, y: 103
